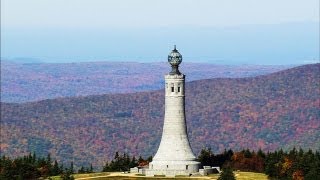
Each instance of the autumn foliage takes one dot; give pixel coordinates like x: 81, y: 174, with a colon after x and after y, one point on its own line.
x: 270, y: 112
x: 248, y: 161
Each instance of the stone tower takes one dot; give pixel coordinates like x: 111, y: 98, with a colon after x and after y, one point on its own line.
x: 174, y: 156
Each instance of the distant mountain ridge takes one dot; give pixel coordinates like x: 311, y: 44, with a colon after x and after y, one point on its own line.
x: 279, y: 110
x: 38, y: 81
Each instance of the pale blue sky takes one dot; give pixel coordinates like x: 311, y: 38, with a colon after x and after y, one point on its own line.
x: 230, y: 31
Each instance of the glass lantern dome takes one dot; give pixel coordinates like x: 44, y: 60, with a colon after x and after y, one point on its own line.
x: 175, y: 58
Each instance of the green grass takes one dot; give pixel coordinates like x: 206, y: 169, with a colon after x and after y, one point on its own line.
x: 55, y: 177
x: 244, y: 176
x: 83, y: 175
x: 179, y: 176
x: 250, y: 176
x: 214, y: 176
x: 91, y: 175
x: 159, y: 176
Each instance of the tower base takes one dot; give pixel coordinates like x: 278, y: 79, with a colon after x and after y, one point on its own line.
x: 172, y: 168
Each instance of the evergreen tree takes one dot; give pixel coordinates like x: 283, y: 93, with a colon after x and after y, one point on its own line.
x: 71, y: 170
x: 149, y: 159
x: 221, y: 159
x: 106, y: 167
x: 49, y: 159
x: 81, y: 170
x: 126, y: 162
x: 140, y: 160
x: 300, y: 153
x: 313, y: 174
x: 133, y: 162
x: 228, y: 154
x: 261, y: 154
x: 116, y: 156
x: 55, y: 169
x: 227, y: 174
x: 61, y: 169
x: 247, y: 153
x: 206, y: 157
x: 122, y: 163
x: 91, y: 169
x: 67, y: 175
x: 49, y: 165
x: 34, y: 158
x: 271, y: 164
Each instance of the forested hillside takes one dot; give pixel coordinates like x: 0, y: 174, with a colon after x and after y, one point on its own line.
x: 39, y: 81
x: 280, y: 110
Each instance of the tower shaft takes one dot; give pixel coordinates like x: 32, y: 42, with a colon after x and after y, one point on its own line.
x: 174, y: 143
x: 174, y: 155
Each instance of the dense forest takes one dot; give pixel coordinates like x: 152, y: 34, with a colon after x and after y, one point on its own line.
x: 33, y: 167
x: 280, y: 110
x: 294, y: 164
x: 37, y: 81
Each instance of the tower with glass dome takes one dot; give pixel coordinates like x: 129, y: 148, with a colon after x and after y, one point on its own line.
x: 174, y: 155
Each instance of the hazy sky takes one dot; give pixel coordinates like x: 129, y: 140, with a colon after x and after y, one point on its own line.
x: 145, y: 30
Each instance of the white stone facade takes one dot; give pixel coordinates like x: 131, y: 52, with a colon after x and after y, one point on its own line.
x: 174, y: 156
x: 209, y: 170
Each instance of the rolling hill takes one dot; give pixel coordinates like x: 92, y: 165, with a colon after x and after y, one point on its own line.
x: 279, y: 110
x: 38, y: 81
